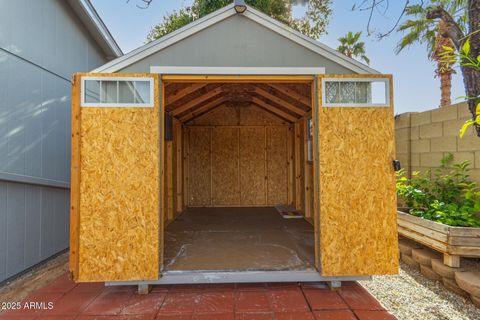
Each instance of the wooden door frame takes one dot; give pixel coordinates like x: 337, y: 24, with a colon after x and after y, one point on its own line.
x: 255, y: 75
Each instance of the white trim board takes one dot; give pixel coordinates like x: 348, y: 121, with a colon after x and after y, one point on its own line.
x: 385, y: 81
x: 235, y: 70
x: 220, y: 15
x: 149, y: 104
x: 95, y: 25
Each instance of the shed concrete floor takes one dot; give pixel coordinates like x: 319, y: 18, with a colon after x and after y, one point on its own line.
x: 238, y: 239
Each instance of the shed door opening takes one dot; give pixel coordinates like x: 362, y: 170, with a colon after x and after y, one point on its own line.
x: 238, y: 158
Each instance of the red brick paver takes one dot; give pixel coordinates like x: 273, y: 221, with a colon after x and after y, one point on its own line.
x: 258, y: 301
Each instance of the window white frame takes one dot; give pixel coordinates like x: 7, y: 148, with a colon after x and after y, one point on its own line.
x: 386, y: 81
x: 181, y: 70
x: 149, y: 104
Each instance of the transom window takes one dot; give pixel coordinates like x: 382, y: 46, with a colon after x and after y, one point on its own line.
x: 352, y: 92
x: 117, y: 92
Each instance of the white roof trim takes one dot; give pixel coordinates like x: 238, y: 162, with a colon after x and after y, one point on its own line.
x: 167, y: 40
x: 236, y: 70
x: 89, y: 16
x: 222, y: 14
x: 307, y: 42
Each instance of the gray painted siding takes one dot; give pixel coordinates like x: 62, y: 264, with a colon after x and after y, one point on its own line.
x: 35, y: 119
x: 48, y: 33
x: 236, y: 42
x: 33, y: 225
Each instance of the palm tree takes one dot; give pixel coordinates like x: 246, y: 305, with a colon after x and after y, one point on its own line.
x: 424, y: 31
x: 352, y: 47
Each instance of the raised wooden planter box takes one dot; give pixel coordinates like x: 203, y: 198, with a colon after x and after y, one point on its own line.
x: 452, y: 242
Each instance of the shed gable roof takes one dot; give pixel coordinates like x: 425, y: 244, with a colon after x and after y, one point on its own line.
x: 220, y: 15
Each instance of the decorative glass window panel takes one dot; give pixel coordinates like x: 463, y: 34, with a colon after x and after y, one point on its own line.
x: 363, y: 92
x: 356, y: 92
x: 117, y: 92
x: 347, y: 92
x: 332, y: 92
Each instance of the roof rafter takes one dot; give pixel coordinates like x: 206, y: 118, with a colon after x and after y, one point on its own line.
x: 291, y: 93
x: 203, y: 109
x: 192, y: 103
x: 280, y: 101
x: 273, y: 109
x: 184, y: 92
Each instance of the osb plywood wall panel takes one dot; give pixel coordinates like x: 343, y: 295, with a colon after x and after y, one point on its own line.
x: 119, y: 194
x: 255, y: 116
x: 199, y: 166
x: 243, y: 116
x: 357, y: 192
x: 236, y: 172
x: 225, y: 166
x: 277, y: 168
x: 252, y: 166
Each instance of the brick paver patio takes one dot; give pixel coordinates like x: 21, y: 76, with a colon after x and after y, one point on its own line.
x: 279, y: 301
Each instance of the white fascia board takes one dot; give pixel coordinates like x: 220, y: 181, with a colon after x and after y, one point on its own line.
x: 89, y: 16
x: 235, y: 70
x: 307, y: 42
x: 167, y: 40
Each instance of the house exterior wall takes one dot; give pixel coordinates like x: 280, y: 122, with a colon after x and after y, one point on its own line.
x: 423, y: 138
x: 236, y: 42
x: 42, y: 43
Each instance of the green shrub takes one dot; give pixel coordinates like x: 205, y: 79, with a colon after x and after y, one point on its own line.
x: 446, y: 195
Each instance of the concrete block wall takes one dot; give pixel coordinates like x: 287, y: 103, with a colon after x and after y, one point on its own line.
x: 423, y: 138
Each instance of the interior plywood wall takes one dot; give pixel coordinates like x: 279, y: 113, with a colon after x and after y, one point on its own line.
x: 237, y: 158
x: 252, y: 166
x: 237, y: 166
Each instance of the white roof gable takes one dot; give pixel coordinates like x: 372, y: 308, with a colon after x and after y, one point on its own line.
x: 220, y: 15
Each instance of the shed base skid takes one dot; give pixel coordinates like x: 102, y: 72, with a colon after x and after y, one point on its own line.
x: 199, y: 277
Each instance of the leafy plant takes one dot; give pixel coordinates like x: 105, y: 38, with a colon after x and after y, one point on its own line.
x: 352, y: 47
x: 450, y: 57
x: 418, y: 29
x: 446, y: 195
x: 312, y: 24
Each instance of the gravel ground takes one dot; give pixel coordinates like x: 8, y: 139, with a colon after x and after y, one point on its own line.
x: 411, y: 296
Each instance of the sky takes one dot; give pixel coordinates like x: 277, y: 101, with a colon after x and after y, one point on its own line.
x: 415, y: 87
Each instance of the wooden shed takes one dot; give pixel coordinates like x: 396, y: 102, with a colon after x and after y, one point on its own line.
x: 232, y: 150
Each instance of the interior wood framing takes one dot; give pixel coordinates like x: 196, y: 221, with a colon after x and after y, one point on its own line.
x: 248, y: 140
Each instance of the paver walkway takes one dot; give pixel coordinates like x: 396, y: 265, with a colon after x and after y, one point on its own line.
x: 280, y: 301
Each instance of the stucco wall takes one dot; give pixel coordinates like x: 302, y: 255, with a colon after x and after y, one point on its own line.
x: 42, y: 43
x: 423, y: 138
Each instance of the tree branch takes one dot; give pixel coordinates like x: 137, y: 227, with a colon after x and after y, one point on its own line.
x: 452, y: 30
x: 146, y: 4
